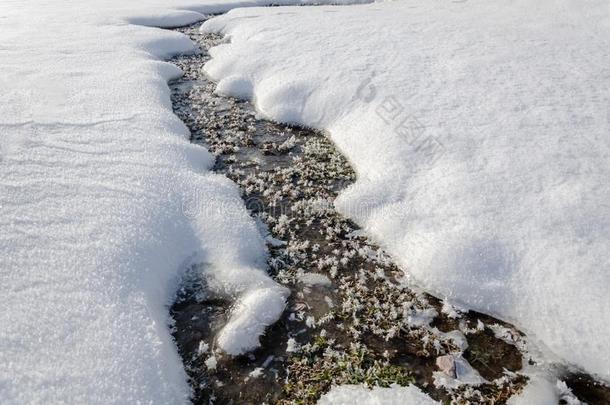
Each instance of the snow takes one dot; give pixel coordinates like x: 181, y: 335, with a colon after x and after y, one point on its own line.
x: 211, y: 363
x: 479, y: 131
x: 202, y: 348
x: 566, y: 395
x: 104, y: 202
x: 537, y: 391
x: 235, y: 86
x: 256, y: 310
x: 359, y: 394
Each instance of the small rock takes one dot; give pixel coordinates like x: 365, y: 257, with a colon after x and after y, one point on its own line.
x: 447, y: 365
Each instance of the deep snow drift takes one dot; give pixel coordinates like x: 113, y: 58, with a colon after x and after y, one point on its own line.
x: 103, y: 201
x: 480, y: 134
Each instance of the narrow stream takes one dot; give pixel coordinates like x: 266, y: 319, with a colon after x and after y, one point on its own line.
x: 350, y: 317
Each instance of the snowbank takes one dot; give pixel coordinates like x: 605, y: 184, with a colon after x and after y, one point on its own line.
x: 359, y: 394
x: 538, y: 391
x: 479, y: 131
x: 103, y: 201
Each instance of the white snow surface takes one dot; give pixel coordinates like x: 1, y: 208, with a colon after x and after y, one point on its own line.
x: 360, y: 394
x: 539, y: 391
x: 465, y: 375
x: 479, y: 131
x: 103, y: 201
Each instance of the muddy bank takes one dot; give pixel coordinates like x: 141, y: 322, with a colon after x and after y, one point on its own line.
x: 351, y: 317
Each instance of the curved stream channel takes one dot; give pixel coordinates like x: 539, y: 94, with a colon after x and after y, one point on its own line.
x: 350, y: 317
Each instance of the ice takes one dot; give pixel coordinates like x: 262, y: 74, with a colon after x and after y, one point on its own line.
x: 314, y: 279
x: 465, y: 374
x: 538, y: 391
x: 359, y: 394
x: 479, y: 132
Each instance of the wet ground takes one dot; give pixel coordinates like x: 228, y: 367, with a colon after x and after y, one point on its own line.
x: 350, y: 318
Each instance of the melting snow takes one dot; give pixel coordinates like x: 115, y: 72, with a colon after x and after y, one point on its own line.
x: 358, y: 394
